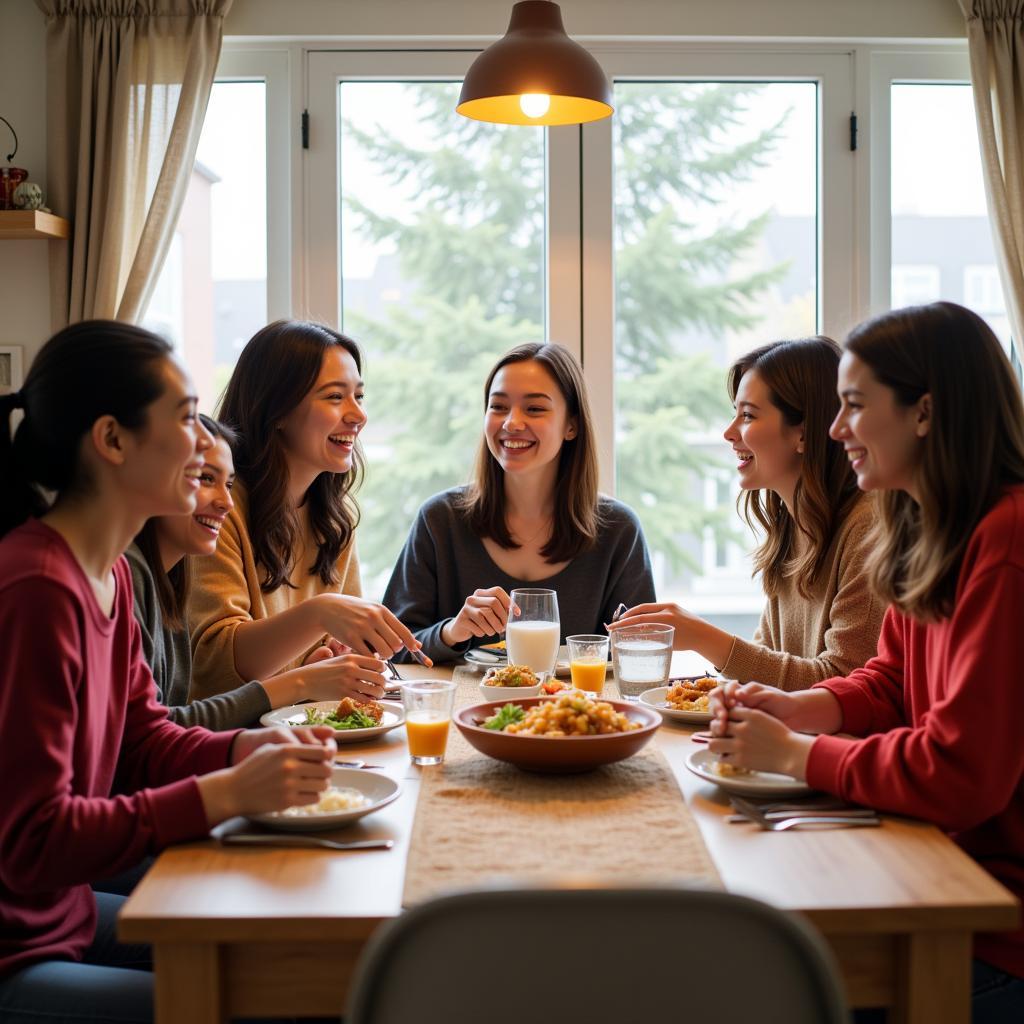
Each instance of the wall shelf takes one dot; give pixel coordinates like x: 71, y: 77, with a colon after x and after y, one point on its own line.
x: 32, y: 224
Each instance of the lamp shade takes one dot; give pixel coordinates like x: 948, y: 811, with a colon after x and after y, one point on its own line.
x: 535, y: 74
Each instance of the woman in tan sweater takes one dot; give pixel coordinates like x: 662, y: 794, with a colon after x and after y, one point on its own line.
x: 821, y: 618
x: 283, y: 584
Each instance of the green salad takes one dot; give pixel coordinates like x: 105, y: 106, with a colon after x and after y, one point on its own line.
x: 505, y: 716
x: 355, y: 720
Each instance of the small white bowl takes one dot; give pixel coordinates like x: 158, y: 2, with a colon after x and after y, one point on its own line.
x: 490, y: 693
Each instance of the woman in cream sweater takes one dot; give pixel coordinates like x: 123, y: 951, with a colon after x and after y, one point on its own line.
x: 285, y: 577
x: 821, y: 618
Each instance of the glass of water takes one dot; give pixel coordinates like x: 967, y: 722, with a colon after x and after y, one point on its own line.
x: 642, y: 658
x: 532, y: 636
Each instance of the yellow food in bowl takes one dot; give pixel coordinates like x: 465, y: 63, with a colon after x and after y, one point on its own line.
x: 511, y: 675
x: 690, y: 694
x: 572, y: 714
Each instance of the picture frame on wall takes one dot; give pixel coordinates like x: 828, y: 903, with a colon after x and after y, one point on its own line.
x: 11, y: 368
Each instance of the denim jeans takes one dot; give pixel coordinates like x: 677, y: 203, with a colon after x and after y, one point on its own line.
x: 996, y: 998
x: 113, y: 983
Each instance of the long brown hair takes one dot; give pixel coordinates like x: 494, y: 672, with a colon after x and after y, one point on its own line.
x: 577, y: 517
x: 801, y: 380
x: 172, y: 586
x: 276, y: 370
x: 973, y: 449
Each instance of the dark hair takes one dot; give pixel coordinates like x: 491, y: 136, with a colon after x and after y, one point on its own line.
x: 276, y: 370
x: 173, y: 585
x: 801, y: 380
x: 91, y: 369
x: 577, y: 518
x: 973, y: 449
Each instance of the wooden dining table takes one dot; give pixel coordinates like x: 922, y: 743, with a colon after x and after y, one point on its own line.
x: 260, y: 932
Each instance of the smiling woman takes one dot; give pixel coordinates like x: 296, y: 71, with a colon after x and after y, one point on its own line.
x: 284, y: 580
x: 531, y: 515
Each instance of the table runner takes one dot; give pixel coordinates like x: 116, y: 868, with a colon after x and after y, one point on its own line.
x: 483, y: 822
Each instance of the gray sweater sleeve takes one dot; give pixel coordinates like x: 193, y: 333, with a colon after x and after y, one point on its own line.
x: 169, y: 657
x: 630, y: 577
x: 413, y: 593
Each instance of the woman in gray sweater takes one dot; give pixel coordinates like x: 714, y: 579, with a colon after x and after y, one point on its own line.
x: 159, y: 561
x: 531, y: 517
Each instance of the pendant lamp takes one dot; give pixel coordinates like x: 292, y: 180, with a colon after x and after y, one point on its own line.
x: 535, y: 74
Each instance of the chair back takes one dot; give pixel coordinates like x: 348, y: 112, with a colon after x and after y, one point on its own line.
x: 557, y: 956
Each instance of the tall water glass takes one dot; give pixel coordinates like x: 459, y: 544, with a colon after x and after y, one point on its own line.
x: 532, y: 636
x: 642, y: 657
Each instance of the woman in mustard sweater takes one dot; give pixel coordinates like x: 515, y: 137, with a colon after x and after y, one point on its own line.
x: 284, y: 579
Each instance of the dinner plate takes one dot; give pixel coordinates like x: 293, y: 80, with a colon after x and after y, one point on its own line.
x: 487, y: 659
x: 379, y: 790
x: 294, y: 716
x: 656, y: 699
x: 700, y: 762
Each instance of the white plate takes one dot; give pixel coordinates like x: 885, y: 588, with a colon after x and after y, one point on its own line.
x: 378, y: 789
x: 656, y: 699
x: 294, y: 716
x: 756, y: 784
x: 476, y: 656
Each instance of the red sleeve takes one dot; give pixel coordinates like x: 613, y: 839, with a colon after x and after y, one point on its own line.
x: 51, y: 835
x: 871, y: 697
x: 960, y: 762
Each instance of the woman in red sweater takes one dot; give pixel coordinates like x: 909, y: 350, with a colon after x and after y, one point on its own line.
x: 931, y: 415
x: 93, y: 777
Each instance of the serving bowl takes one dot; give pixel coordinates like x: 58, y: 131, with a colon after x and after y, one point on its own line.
x: 556, y: 755
x: 492, y: 692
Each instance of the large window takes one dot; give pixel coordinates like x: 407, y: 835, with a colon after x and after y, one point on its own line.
x: 716, y: 229
x: 442, y: 270
x: 942, y: 244
x: 212, y: 292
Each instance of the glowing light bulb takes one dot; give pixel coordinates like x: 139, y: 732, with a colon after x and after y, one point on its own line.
x: 534, y: 104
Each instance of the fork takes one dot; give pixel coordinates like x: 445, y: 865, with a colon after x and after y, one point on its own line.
x: 787, y: 823
x: 296, y: 839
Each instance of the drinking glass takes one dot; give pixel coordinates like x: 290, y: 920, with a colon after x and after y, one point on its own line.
x: 588, y: 661
x: 428, y: 714
x: 532, y: 636
x: 642, y: 658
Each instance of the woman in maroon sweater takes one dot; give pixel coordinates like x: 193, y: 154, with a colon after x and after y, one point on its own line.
x: 931, y: 415
x: 93, y: 777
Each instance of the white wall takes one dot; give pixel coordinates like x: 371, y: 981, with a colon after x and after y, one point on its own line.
x: 863, y: 19
x: 24, y: 265
x: 24, y: 270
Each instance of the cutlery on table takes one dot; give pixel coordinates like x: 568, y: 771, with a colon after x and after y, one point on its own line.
x: 340, y: 762
x: 296, y: 839
x: 783, y: 815
x: 785, y: 824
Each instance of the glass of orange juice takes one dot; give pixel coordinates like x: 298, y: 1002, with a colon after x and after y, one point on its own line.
x: 428, y: 714
x: 588, y: 661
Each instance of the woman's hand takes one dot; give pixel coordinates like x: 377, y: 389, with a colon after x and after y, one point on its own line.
x: 330, y: 648
x: 757, y: 740
x: 359, y: 676
x: 692, y: 633
x: 485, y: 613
x: 272, y: 769
x: 812, y: 711
x: 365, y: 627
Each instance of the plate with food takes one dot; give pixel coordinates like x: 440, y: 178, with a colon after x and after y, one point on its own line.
x: 352, y: 720
x: 571, y: 732
x: 743, y: 780
x: 685, y: 699
x: 351, y: 795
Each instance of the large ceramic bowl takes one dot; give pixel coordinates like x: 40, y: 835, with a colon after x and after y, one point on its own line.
x: 556, y: 754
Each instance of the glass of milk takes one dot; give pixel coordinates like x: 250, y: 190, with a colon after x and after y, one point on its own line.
x: 642, y: 658
x: 532, y: 636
